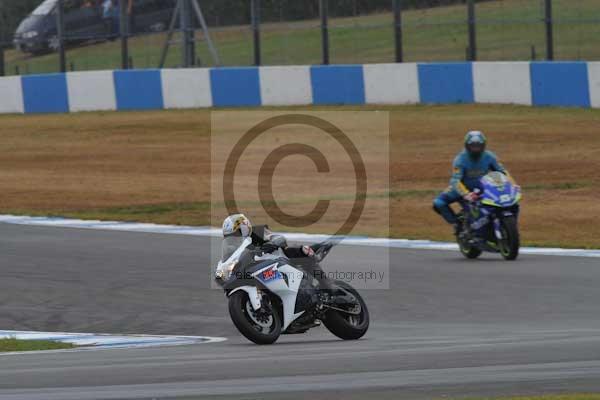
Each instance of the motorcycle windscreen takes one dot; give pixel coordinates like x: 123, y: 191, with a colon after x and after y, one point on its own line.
x: 495, y: 179
x: 498, y: 190
x: 229, y: 245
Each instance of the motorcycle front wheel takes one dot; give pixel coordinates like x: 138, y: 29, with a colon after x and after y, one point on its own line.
x: 261, y: 326
x: 348, y: 326
x: 510, y: 243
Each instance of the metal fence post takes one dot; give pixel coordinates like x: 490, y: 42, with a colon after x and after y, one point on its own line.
x: 185, y: 63
x: 471, y: 18
x: 191, y: 34
x: 60, y: 35
x: 124, y: 22
x: 255, y: 11
x: 211, y: 47
x: 397, y: 4
x: 324, y: 11
x: 549, y: 31
x: 2, y: 70
x: 188, y: 35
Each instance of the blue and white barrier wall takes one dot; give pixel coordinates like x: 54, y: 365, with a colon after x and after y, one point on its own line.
x: 573, y: 84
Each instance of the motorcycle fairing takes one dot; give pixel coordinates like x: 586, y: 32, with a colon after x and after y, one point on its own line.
x: 499, y: 198
x: 498, y: 191
x: 253, y: 295
x: 269, y: 273
x: 286, y: 289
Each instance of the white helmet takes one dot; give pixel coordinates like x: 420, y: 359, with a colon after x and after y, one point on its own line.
x: 237, y: 225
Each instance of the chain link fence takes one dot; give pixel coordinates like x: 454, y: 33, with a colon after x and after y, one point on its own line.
x: 288, y: 32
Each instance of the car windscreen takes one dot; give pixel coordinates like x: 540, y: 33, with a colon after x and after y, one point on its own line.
x: 45, y: 8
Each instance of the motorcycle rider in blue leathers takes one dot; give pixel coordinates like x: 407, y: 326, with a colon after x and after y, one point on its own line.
x: 469, y: 166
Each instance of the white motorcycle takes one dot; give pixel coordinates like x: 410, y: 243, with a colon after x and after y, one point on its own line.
x: 270, y: 294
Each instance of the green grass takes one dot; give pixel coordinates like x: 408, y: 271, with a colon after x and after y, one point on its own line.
x: 507, y: 30
x: 193, y: 213
x: 579, y: 396
x: 13, y: 345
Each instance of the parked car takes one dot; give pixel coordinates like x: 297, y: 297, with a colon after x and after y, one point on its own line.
x: 87, y: 20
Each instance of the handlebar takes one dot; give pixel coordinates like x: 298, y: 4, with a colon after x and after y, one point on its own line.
x: 322, y: 249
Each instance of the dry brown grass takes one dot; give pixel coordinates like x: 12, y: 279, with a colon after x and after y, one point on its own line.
x: 154, y: 166
x: 99, y: 160
x: 553, y: 153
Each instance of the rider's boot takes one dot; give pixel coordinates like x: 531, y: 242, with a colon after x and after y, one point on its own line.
x: 326, y: 286
x: 457, y: 229
x: 463, y: 233
x: 325, y: 283
x: 459, y: 225
x: 334, y: 295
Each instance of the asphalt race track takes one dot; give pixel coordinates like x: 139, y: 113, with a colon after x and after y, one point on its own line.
x: 446, y: 327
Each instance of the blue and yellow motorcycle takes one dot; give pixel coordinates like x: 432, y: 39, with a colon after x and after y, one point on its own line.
x: 491, y: 223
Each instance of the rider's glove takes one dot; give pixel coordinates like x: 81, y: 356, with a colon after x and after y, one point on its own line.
x: 269, y: 248
x: 471, y: 197
x: 308, y: 251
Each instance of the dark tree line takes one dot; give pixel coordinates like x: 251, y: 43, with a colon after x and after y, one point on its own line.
x: 232, y: 12
x: 11, y: 13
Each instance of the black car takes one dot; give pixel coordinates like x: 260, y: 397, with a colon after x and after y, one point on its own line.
x: 88, y: 20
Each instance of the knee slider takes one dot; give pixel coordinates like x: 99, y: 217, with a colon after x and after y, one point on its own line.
x: 437, y: 206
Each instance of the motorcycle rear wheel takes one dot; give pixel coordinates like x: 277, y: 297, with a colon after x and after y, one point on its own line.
x: 345, y: 326
x: 247, y: 322
x: 467, y: 250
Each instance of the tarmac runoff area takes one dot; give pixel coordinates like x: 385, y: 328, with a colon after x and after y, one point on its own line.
x: 445, y: 326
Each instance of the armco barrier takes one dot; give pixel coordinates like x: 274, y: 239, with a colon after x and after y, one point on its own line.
x: 446, y: 83
x: 563, y: 84
x: 45, y: 93
x: 235, y: 87
x: 342, y: 84
x: 574, y: 84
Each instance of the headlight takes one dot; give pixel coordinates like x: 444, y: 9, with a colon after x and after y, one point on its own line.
x: 30, y: 34
x: 224, y: 271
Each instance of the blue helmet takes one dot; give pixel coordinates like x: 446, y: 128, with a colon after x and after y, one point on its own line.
x: 475, y: 143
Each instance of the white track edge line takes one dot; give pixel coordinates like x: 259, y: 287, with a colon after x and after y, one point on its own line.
x: 214, y: 232
x: 144, y: 342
